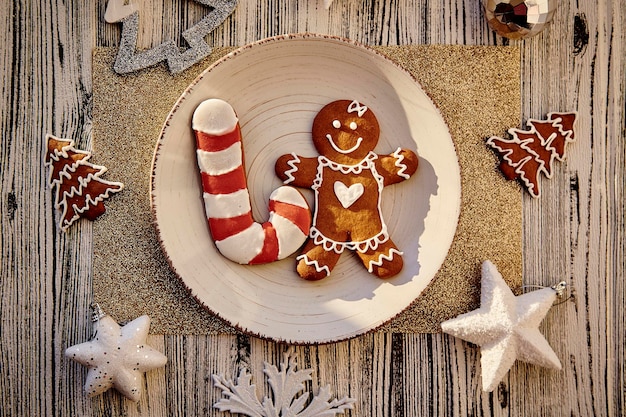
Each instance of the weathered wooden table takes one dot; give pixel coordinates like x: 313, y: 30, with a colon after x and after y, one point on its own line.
x: 574, y: 232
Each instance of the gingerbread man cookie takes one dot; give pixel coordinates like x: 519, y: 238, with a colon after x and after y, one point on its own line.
x: 348, y: 178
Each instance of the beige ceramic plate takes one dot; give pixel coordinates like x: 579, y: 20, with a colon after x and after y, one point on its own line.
x: 277, y: 86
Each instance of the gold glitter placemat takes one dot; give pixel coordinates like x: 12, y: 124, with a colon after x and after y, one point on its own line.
x: 476, y: 88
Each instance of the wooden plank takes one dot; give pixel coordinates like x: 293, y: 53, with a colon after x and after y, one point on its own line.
x: 44, y: 276
x: 580, y: 202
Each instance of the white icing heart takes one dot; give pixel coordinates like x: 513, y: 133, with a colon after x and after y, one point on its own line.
x: 348, y: 195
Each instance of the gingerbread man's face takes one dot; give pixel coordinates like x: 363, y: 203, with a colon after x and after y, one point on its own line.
x: 345, y: 131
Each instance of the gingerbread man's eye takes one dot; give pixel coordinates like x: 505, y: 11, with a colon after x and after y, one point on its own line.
x: 336, y: 124
x: 353, y: 125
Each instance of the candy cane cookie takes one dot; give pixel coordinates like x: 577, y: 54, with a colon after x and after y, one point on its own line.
x: 227, y: 200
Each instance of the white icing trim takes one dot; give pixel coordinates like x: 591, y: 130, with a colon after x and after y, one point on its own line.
x: 355, y: 106
x: 244, y: 246
x: 346, y: 169
x: 366, y: 163
x: 214, y: 117
x: 315, y: 264
x: 220, y: 162
x: 382, y: 258
x: 399, y: 158
x: 338, y: 247
x: 224, y: 206
x: 344, y: 151
x: 289, y: 173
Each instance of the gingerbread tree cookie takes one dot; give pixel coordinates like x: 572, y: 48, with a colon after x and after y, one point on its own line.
x: 532, y: 152
x: 80, y: 192
x: 348, y: 178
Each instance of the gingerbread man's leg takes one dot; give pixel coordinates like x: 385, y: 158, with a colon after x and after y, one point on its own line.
x: 315, y: 262
x: 385, y: 261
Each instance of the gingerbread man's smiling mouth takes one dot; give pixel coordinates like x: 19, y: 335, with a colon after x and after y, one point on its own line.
x: 344, y: 151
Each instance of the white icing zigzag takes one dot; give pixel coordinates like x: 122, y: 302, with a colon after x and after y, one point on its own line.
x: 519, y: 167
x: 89, y: 203
x: 382, y: 258
x: 68, y: 169
x: 289, y: 173
x: 399, y: 158
x: 316, y: 264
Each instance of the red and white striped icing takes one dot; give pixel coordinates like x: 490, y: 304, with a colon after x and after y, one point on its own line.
x: 227, y: 201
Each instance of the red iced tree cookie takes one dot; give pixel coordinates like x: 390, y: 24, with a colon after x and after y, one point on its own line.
x: 531, y: 152
x: 348, y: 178
x: 80, y: 192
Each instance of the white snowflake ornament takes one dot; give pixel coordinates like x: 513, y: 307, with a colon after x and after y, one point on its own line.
x: 117, y: 357
x: 286, y: 385
x: 506, y: 327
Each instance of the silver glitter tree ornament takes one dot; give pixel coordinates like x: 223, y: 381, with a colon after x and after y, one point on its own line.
x: 518, y: 19
x: 130, y: 60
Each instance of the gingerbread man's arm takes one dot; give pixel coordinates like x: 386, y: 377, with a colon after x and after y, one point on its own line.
x: 398, y: 166
x: 296, y: 170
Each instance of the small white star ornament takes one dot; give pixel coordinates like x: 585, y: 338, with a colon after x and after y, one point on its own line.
x: 117, y: 357
x: 506, y: 327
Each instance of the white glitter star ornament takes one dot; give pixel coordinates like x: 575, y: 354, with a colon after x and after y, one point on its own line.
x: 506, y: 327
x: 117, y: 357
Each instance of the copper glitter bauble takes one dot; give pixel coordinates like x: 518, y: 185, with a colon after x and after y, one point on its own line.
x: 517, y: 19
